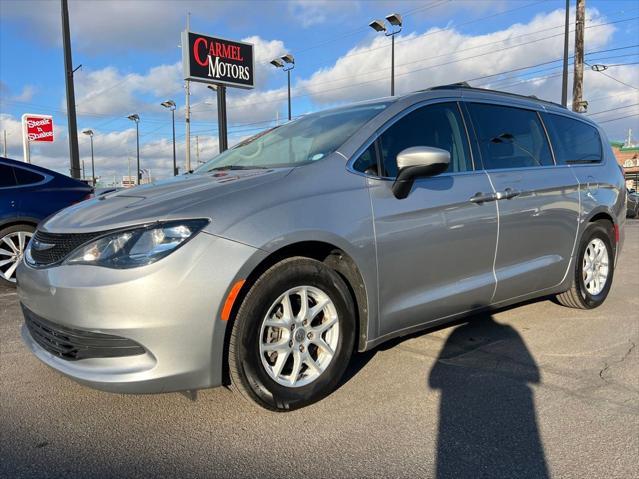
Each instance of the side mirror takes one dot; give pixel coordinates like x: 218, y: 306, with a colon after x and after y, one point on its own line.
x: 418, y: 162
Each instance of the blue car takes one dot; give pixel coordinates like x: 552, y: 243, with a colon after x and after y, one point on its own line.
x: 28, y: 194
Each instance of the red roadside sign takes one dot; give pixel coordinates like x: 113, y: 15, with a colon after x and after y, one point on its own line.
x: 35, y: 128
x: 38, y: 127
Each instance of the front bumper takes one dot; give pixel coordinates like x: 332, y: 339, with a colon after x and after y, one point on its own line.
x: 171, y: 308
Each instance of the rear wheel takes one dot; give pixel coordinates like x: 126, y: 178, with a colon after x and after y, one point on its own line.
x: 293, y: 335
x: 13, y: 242
x: 594, y: 268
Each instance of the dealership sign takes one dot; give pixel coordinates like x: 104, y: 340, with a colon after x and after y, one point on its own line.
x: 38, y: 127
x: 216, y: 60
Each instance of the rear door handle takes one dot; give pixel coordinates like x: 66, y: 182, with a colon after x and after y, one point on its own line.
x: 483, y: 197
x: 507, y: 194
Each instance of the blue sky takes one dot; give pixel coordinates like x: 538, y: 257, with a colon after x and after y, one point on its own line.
x: 131, y: 62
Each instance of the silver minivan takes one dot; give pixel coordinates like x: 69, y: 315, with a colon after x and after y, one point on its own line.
x: 270, y: 265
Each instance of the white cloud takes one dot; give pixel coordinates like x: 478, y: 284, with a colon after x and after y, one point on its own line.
x: 13, y: 128
x: 107, y: 91
x: 26, y: 95
x: 440, y: 56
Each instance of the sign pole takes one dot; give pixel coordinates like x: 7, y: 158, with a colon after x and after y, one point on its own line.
x: 221, y: 117
x: 25, y: 141
x: 187, y: 111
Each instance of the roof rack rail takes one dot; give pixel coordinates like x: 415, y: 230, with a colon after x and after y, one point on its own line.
x: 461, y: 84
x: 466, y: 85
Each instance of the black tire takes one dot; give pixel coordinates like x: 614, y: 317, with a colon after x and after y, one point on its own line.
x: 5, y: 232
x: 248, y: 375
x: 578, y: 296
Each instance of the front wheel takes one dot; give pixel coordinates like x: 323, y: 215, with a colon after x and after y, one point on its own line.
x: 293, y: 335
x: 594, y: 268
x: 13, y: 242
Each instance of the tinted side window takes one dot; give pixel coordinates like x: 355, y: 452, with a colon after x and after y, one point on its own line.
x: 572, y: 140
x: 26, y: 177
x: 6, y: 176
x: 367, y: 161
x: 438, y: 125
x: 509, y: 137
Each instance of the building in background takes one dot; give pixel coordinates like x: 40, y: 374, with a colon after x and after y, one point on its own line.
x: 627, y: 154
x: 129, y: 181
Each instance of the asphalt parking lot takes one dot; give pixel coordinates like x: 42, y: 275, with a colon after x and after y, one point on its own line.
x: 537, y: 390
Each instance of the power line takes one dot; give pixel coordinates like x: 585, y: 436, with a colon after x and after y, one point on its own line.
x: 619, y: 118
x: 612, y: 109
x: 617, y: 80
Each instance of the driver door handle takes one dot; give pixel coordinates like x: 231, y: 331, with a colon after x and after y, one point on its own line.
x: 507, y: 194
x: 483, y: 197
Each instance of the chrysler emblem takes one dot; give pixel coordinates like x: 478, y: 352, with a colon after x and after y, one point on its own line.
x: 40, y: 246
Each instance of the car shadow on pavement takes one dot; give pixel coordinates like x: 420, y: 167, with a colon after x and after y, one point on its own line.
x: 487, y: 419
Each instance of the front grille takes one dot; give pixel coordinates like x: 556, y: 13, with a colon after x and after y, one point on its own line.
x: 74, y: 344
x: 63, y: 243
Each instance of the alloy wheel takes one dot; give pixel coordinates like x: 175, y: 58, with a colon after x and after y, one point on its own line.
x: 299, y: 336
x: 595, y: 266
x: 12, y: 248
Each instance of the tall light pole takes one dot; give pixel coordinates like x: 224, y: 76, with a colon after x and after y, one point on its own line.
x: 136, y: 118
x: 90, y: 134
x: 395, y: 19
x: 287, y: 63
x: 170, y: 104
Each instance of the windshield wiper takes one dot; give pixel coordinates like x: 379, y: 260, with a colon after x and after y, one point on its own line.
x: 236, y: 167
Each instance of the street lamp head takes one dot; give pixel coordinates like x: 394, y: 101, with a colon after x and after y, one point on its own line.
x: 88, y: 132
x: 134, y: 117
x: 277, y: 63
x: 211, y: 87
x: 598, y: 67
x: 394, y: 19
x: 288, y: 58
x: 378, y: 25
x: 170, y: 104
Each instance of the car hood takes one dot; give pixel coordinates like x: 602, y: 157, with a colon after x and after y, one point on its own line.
x: 187, y: 196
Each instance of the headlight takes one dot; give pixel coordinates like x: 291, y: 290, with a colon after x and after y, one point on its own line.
x: 136, y: 247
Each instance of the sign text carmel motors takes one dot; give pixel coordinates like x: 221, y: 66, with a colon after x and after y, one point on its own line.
x: 216, y: 60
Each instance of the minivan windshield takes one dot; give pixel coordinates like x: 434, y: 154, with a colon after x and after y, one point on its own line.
x: 307, y: 139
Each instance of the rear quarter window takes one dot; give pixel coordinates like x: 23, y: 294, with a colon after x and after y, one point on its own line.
x: 573, y: 141
x: 6, y: 176
x: 27, y: 177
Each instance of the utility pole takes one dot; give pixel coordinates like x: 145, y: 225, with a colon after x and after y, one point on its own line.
x: 197, y: 149
x: 74, y: 153
x: 187, y: 113
x: 578, y: 81
x: 564, y: 78
x: 83, y: 175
